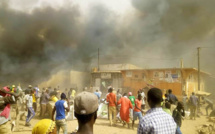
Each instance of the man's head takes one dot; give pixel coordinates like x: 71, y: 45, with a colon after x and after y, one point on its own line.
x: 63, y: 96
x: 139, y: 97
x: 86, y: 106
x: 32, y: 91
x: 55, y: 89
x: 125, y: 94
x: 167, y: 105
x: 141, y: 90
x: 29, y: 86
x: 154, y: 97
x: 27, y: 91
x: 180, y: 105
x: 193, y: 93
x: 110, y: 89
x: 97, y: 90
x: 130, y: 93
x: 170, y: 91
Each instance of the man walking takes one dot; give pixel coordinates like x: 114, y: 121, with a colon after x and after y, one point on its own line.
x: 177, y: 115
x: 143, y: 99
x: 137, y: 109
x: 132, y: 99
x: 111, y: 99
x: 34, y: 100
x: 185, y: 100
x: 171, y: 97
x: 193, y: 106
x: 60, y: 107
x: 44, y: 99
x: 73, y: 94
x: 124, y: 110
x: 156, y: 121
x: 29, y: 108
x: 210, y: 104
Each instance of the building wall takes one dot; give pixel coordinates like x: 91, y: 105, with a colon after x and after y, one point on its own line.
x: 191, y: 84
x: 176, y: 79
x: 101, y: 83
x: 137, y: 79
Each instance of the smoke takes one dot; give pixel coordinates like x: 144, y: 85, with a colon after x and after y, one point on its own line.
x: 32, y: 45
x: 173, y: 30
x: 35, y: 44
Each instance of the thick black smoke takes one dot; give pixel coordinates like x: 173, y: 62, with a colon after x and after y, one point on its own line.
x: 34, y: 45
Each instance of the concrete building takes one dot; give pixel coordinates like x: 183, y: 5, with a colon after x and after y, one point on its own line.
x: 109, y: 75
x: 129, y: 77
x: 181, y: 81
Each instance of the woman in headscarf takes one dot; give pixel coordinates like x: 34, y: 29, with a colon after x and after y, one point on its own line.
x: 45, y: 126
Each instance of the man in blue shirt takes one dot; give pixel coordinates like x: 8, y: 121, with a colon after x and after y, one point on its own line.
x: 97, y: 94
x: 193, y: 106
x: 60, y: 107
x: 171, y: 97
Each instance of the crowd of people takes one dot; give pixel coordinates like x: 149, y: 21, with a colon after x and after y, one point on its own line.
x: 164, y: 116
x: 15, y: 103
x: 163, y: 113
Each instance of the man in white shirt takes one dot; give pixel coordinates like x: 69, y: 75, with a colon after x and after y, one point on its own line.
x: 143, y: 99
x: 29, y: 108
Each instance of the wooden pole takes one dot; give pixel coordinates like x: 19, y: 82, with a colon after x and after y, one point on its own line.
x: 198, y: 49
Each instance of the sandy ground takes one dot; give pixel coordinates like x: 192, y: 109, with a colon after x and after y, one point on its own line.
x: 102, y: 126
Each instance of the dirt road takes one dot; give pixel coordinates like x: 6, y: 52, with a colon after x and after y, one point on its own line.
x: 102, y: 127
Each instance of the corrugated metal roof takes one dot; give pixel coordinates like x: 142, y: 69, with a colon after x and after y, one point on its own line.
x: 166, y: 69
x: 107, y: 72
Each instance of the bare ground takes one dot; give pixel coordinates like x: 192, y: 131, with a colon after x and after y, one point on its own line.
x: 102, y: 126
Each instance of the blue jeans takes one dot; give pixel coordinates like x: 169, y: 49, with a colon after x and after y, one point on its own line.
x: 137, y: 114
x: 30, y: 115
x: 178, y: 131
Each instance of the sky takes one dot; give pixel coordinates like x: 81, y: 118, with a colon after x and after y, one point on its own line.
x: 40, y: 37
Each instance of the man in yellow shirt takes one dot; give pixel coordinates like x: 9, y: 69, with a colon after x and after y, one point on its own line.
x: 73, y: 94
x: 34, y: 100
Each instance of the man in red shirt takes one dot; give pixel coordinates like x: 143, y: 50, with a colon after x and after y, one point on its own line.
x: 111, y: 99
x: 137, y: 109
x: 124, y: 110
